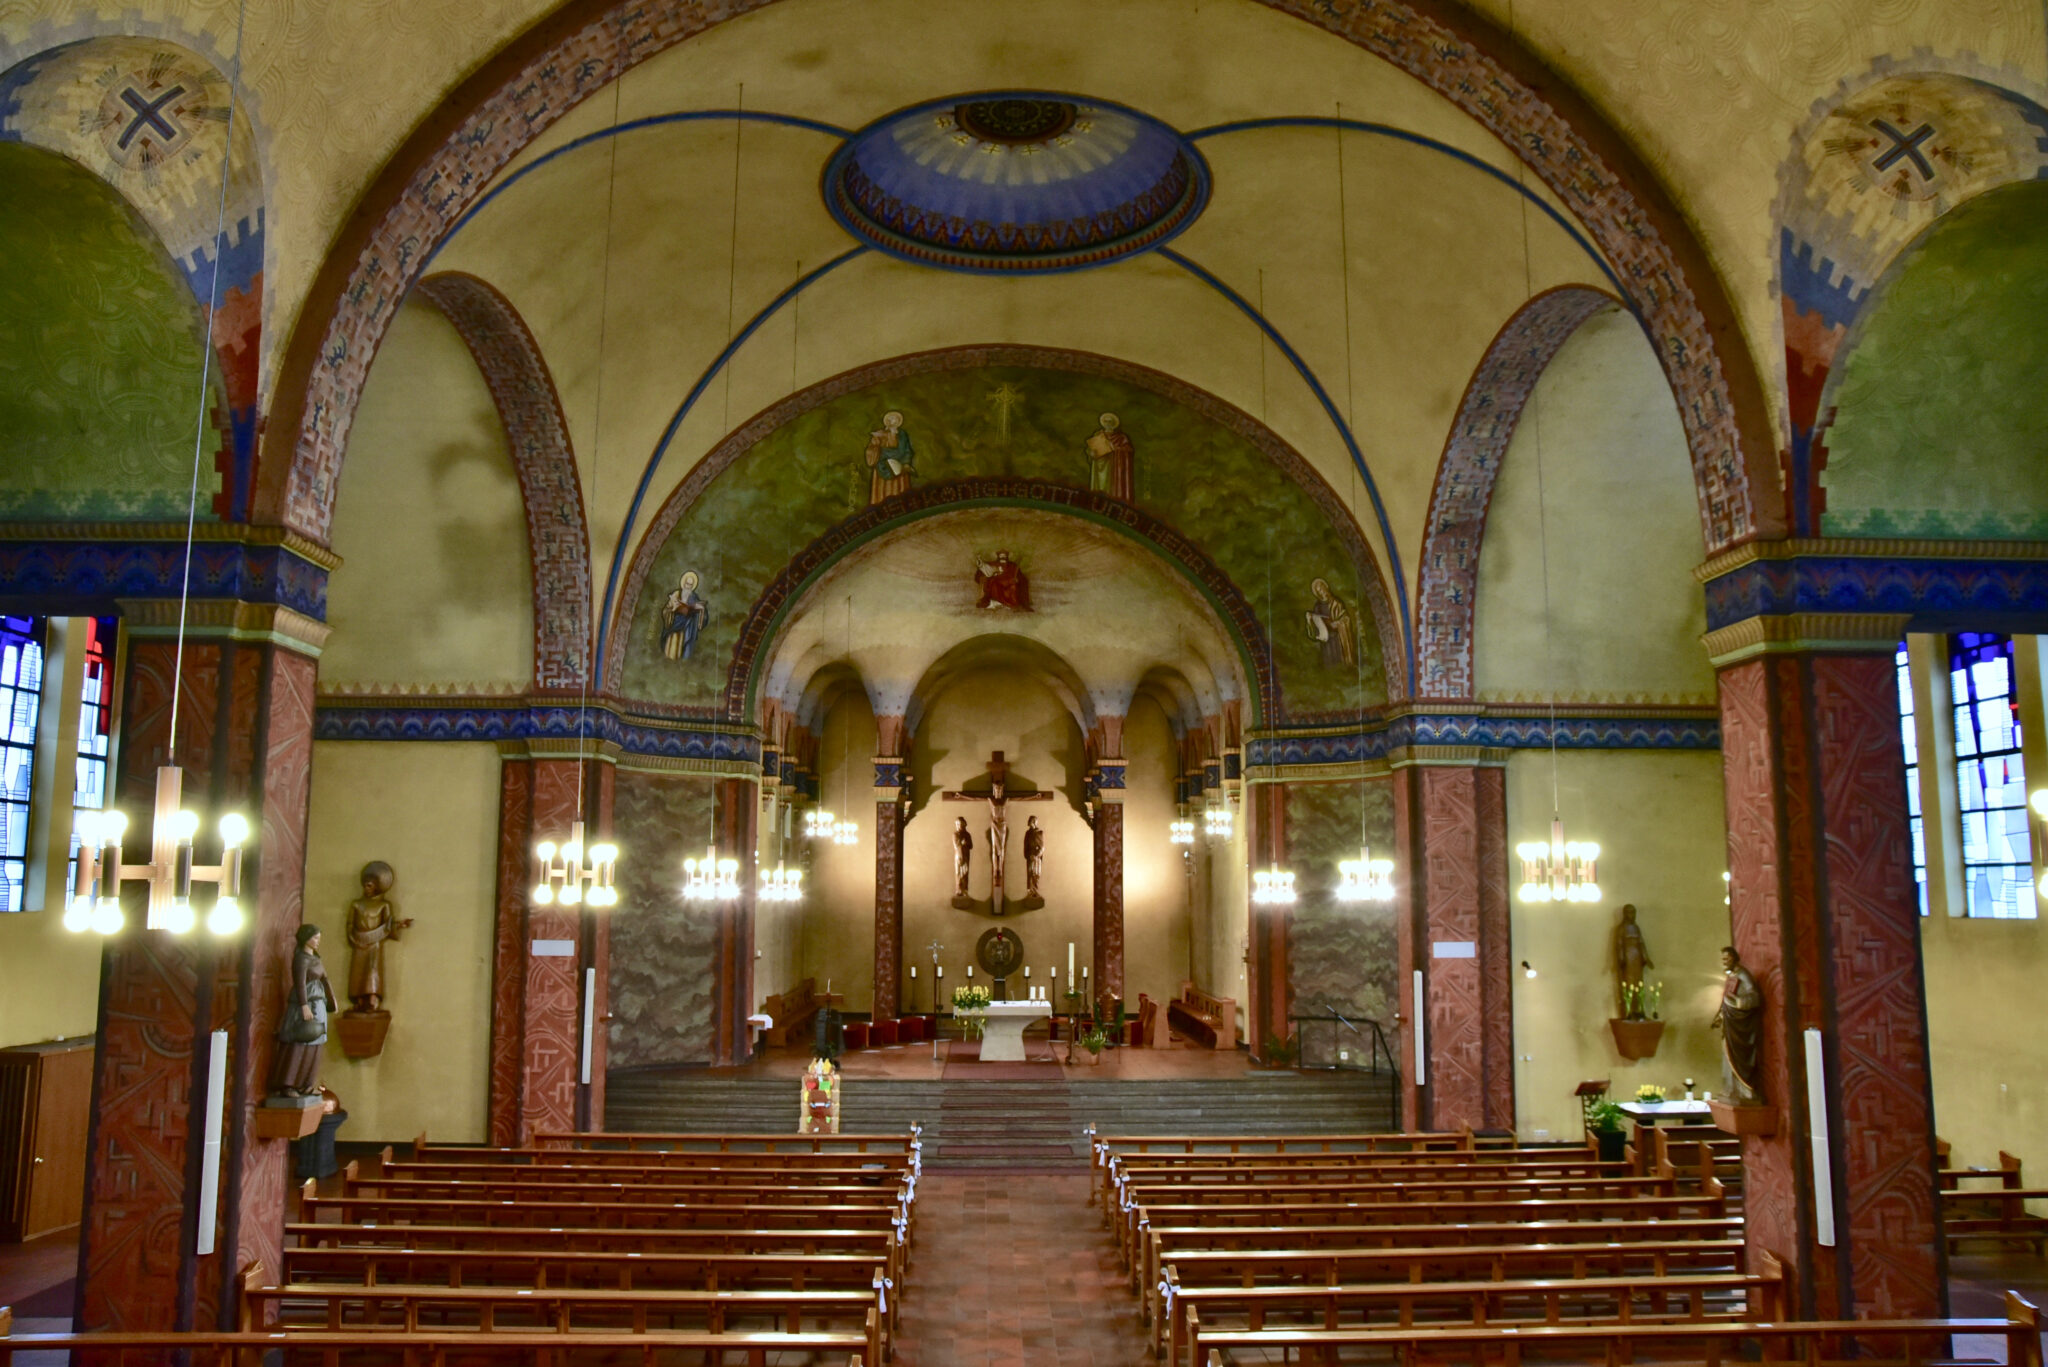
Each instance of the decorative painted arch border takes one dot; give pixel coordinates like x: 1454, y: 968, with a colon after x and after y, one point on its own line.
x: 1199, y: 401
x: 449, y: 163
x: 538, y: 433
x: 1447, y: 579
x: 765, y: 618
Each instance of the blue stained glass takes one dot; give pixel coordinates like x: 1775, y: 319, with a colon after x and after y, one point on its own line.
x: 1991, y: 783
x: 1910, y: 742
x: 21, y: 684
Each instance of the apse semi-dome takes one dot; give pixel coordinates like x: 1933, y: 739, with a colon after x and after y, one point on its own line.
x: 1014, y: 182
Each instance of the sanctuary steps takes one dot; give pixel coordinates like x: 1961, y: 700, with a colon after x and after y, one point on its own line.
x: 1010, y: 1126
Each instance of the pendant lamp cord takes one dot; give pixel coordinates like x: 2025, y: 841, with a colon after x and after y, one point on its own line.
x: 220, y: 226
x: 1350, y: 417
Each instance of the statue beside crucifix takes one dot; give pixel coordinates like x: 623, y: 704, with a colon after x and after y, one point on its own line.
x: 1001, y: 791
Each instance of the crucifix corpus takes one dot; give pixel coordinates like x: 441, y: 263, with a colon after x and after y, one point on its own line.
x: 1001, y: 791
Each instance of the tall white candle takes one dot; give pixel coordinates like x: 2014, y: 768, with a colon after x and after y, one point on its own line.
x: 913, y: 973
x: 1070, y: 961
x: 1027, y: 972
x: 970, y: 972
x: 940, y: 970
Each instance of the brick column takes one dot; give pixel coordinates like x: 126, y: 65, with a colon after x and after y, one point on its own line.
x: 1450, y: 823
x: 1823, y: 913
x: 244, y: 739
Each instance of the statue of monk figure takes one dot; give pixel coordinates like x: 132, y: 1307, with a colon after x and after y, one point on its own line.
x: 1741, y: 1023
x: 1034, y: 857
x: 372, y: 920
x: 1631, y: 957
x: 963, y: 856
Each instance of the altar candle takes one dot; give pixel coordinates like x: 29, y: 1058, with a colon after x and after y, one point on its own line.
x: 913, y: 973
x: 939, y: 969
x: 970, y: 972
x: 1027, y: 973
x: 1070, y: 961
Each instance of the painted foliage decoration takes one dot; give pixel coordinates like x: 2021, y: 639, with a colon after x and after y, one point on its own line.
x: 1025, y: 422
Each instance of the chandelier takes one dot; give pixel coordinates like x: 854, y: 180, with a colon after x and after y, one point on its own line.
x: 818, y: 824
x: 1365, y: 879
x: 1181, y: 832
x: 566, y: 878
x: 1273, y: 886
x: 780, y: 884
x: 170, y: 873
x: 1217, y: 822
x: 711, y: 879
x: 1562, y: 871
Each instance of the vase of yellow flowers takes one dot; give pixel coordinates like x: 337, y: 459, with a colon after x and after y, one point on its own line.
x: 968, y: 1004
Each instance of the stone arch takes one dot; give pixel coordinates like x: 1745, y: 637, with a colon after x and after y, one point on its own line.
x: 442, y: 170
x: 144, y: 114
x: 1447, y: 579
x: 766, y: 617
x: 538, y: 434
x: 722, y: 456
x: 1869, y: 172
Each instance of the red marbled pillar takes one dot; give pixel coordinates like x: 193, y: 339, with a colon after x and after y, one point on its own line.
x: 732, y: 945
x: 888, y: 907
x: 1450, y: 831
x: 244, y: 737
x: 1109, y: 896
x: 1822, y: 911
x: 536, y: 998
x: 1267, y: 975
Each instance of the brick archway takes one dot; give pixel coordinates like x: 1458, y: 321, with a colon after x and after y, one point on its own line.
x: 538, y: 434
x: 448, y: 164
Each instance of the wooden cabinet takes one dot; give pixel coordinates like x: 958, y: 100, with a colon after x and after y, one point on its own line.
x: 45, y: 1108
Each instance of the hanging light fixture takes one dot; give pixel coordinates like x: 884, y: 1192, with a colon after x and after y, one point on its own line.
x: 1365, y: 879
x: 1273, y: 886
x: 95, y: 903
x: 1180, y: 831
x: 1217, y: 822
x: 818, y: 823
x: 571, y: 873
x: 1561, y: 870
x: 782, y: 883
x: 712, y: 878
x: 846, y: 831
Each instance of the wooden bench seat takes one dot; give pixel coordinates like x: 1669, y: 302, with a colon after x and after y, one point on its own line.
x: 1693, y: 1299
x: 560, y: 1310
x: 667, y: 1142
x: 359, y: 1348
x: 1999, y: 1215
x: 652, y: 1270
x: 1813, y: 1343
x: 1209, y: 1020
x: 763, y: 1190
x: 847, y: 1171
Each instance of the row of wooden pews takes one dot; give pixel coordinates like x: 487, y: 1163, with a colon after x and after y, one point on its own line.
x: 1438, y: 1247
x: 1988, y: 1203
x: 597, y: 1249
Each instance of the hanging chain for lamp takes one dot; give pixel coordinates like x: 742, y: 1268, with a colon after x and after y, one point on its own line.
x: 785, y: 883
x: 95, y: 902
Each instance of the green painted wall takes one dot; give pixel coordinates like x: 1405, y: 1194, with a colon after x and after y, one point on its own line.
x: 99, y: 354
x: 1941, y: 426
x: 811, y: 473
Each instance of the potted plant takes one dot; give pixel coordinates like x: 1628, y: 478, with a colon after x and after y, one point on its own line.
x: 1638, y: 1030
x: 1093, y: 1041
x: 1279, y: 1052
x: 1603, y: 1122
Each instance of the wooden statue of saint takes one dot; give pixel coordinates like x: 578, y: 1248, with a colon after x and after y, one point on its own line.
x: 372, y: 920
x: 1034, y: 863
x: 1631, y: 957
x: 1000, y: 794
x: 963, y: 858
x: 1741, y: 1023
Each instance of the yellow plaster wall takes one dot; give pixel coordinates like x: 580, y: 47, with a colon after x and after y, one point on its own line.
x: 778, y: 926
x: 1158, y: 920
x: 1616, y: 495
x: 838, y: 925
x: 49, y: 979
x: 431, y: 812
x: 436, y: 584
x: 1985, y: 1030
x: 1658, y: 818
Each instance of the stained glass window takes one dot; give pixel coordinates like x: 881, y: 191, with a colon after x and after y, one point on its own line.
x: 95, y: 728
x: 1915, y: 820
x: 21, y: 698
x: 1991, y: 781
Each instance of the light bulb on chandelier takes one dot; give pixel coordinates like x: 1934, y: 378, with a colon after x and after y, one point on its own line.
x: 1365, y: 879
x: 1181, y: 832
x: 1562, y: 871
x: 569, y: 875
x: 781, y: 884
x: 818, y: 824
x: 1218, y: 822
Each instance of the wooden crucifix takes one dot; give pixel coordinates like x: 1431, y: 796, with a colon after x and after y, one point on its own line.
x: 1001, y: 793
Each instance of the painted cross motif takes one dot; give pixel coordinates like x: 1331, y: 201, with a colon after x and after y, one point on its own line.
x: 1005, y: 398
x: 148, y: 114
x: 1904, y: 147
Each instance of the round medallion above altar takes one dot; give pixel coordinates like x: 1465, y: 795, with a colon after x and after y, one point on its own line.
x: 1016, y: 182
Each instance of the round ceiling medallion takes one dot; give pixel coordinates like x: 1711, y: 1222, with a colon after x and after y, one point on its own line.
x: 1015, y: 182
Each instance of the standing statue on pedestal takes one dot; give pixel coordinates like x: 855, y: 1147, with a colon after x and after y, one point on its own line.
x: 1034, y: 864
x: 963, y: 858
x: 1741, y: 1025
x: 1631, y: 957
x: 303, y: 1028
x: 372, y: 920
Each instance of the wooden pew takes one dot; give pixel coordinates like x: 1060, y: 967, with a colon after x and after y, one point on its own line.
x: 2006, y: 1174
x: 1999, y: 1215
x: 793, y: 1010
x: 1685, y: 1298
x: 1808, y: 1344
x: 581, y: 1185
x: 594, y: 1215
x: 1240, y: 1268
x: 433, y: 1349
x: 583, y: 1142
x: 850, y: 1171
x: 1124, y: 1169
x: 1209, y: 1020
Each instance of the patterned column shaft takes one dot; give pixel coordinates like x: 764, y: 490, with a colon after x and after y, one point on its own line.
x: 1109, y: 896
x: 1411, y: 937
x: 537, y: 989
x: 738, y: 818
x: 244, y: 740
x: 888, y: 907
x: 1823, y: 913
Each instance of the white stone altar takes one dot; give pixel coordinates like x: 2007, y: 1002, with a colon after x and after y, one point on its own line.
x: 1002, y: 1036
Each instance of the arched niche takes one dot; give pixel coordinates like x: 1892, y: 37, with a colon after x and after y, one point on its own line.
x: 101, y: 344
x: 1940, y: 428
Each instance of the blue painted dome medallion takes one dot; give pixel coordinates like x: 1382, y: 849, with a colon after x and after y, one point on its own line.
x: 1014, y: 182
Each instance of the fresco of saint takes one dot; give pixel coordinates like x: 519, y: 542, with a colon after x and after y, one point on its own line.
x: 1003, y: 584
x: 890, y: 459
x: 1329, y: 622
x: 684, y: 616
x: 1110, y: 454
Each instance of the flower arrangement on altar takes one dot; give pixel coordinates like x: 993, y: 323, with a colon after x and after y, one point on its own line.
x: 1649, y: 1092
x: 971, y: 999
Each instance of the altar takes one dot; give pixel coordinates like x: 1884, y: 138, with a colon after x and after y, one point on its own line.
x: 1002, y: 1038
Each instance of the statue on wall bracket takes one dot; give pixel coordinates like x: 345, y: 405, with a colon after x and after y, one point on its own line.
x: 373, y: 921
x: 999, y: 790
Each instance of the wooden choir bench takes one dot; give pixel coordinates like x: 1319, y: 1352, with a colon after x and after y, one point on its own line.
x: 793, y: 1012
x: 1209, y: 1021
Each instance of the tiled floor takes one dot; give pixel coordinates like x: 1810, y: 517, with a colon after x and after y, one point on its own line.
x: 1010, y: 1271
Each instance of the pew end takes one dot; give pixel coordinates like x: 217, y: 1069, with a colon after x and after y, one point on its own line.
x: 2023, y: 1340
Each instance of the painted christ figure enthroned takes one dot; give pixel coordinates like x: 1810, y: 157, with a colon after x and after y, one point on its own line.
x: 999, y: 790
